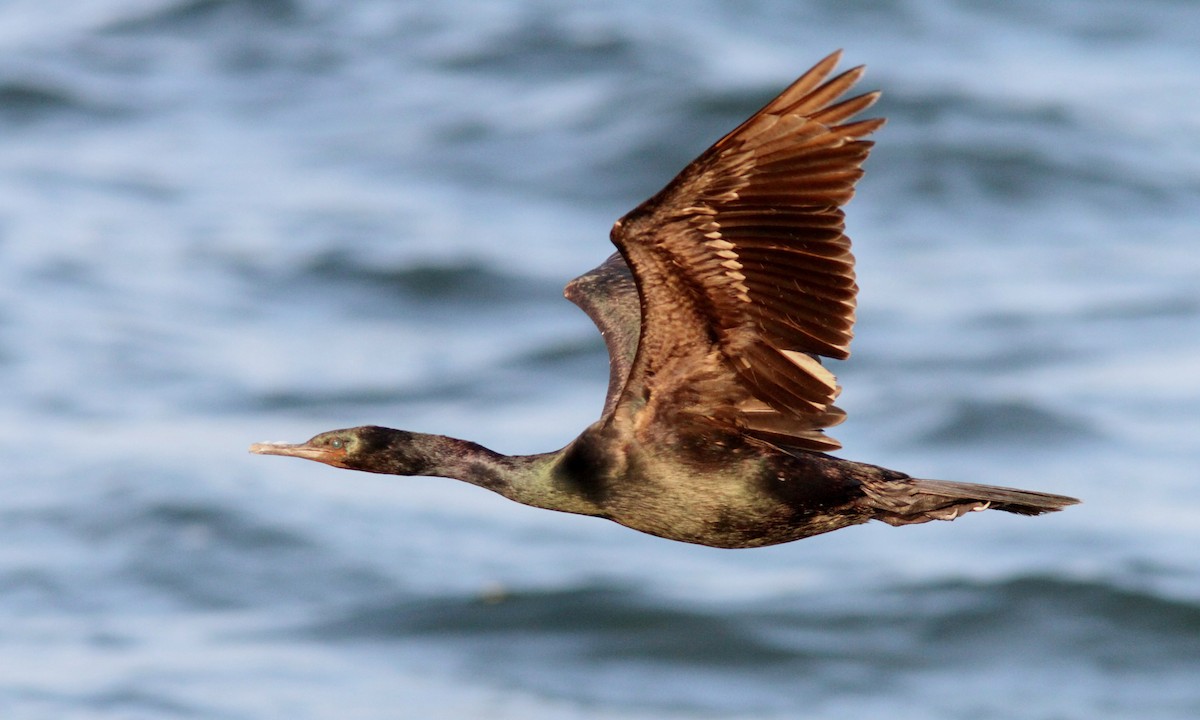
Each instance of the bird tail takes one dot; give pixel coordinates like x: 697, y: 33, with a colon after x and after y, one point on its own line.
x: 918, y: 501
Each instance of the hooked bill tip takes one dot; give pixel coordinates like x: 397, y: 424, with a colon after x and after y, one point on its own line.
x: 266, y: 448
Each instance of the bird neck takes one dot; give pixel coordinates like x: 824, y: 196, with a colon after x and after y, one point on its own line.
x: 528, y: 479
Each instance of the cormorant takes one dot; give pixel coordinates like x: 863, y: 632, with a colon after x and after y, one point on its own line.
x: 726, y: 287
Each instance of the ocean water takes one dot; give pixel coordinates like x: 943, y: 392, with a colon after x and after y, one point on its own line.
x: 230, y: 221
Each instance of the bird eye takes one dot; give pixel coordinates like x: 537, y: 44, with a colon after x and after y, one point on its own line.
x: 337, y: 443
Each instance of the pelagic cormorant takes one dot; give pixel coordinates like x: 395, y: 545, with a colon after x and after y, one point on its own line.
x: 726, y: 287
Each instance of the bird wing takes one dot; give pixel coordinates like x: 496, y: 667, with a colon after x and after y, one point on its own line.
x: 610, y: 298
x: 744, y: 270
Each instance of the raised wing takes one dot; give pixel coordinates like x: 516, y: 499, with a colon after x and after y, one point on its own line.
x: 744, y: 270
x: 610, y: 298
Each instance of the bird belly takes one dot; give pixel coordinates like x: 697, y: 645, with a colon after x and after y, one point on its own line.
x: 709, y: 488
x: 734, y: 506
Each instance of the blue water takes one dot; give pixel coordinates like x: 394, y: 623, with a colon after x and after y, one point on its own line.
x: 227, y: 222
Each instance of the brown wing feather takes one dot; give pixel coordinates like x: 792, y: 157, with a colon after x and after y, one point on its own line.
x: 744, y: 270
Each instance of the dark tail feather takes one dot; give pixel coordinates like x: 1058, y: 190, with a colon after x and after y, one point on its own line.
x: 924, y: 500
x: 1021, y: 502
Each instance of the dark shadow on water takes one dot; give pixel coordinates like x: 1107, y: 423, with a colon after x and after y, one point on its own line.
x: 767, y: 656
x: 986, y: 421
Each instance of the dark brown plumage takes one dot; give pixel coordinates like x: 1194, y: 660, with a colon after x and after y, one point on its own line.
x: 726, y: 287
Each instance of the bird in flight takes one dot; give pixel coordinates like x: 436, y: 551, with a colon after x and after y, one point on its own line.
x: 726, y: 289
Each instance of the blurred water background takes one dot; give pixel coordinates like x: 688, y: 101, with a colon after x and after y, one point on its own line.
x: 230, y: 221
